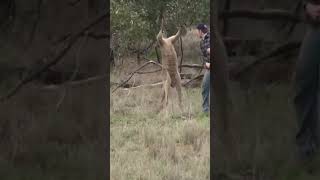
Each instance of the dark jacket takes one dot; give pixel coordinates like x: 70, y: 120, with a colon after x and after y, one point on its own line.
x: 204, y: 45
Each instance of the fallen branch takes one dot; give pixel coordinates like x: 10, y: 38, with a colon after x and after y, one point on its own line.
x: 198, y: 66
x: 144, y: 85
x: 186, y: 75
x: 193, y: 79
x: 73, y: 39
x: 134, y: 72
x: 148, y: 72
x: 78, y: 82
x: 283, y: 48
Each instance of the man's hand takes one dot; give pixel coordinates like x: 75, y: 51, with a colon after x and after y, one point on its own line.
x: 313, y: 10
x: 207, y: 65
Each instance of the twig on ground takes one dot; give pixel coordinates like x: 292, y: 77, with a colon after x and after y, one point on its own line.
x: 144, y: 85
x: 192, y: 66
x: 79, y: 82
x: 195, y: 78
x: 280, y: 49
x: 148, y: 72
x: 134, y: 72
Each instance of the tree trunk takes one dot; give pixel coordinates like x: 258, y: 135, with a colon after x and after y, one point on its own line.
x: 157, y: 53
x: 181, y: 46
x: 223, y: 148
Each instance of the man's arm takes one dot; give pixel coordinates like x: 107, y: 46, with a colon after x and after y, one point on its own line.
x: 207, y: 64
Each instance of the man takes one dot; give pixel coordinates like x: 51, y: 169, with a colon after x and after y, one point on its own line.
x: 205, y: 49
x: 307, y: 85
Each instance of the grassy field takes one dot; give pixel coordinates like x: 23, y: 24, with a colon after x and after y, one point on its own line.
x: 149, y: 145
x: 55, y: 161
x: 38, y: 141
x: 265, y: 129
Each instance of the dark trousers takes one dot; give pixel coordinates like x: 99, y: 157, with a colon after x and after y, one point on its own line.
x: 206, y: 91
x: 306, y: 98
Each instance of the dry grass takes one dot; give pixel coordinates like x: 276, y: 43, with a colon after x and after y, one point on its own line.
x: 265, y: 129
x: 39, y: 142
x: 149, y: 145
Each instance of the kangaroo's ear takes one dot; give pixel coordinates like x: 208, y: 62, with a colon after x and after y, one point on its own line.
x: 175, y: 37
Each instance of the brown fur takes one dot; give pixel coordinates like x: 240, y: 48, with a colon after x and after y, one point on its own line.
x: 170, y: 68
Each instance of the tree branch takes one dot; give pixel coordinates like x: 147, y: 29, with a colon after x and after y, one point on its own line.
x: 193, y: 79
x: 134, y: 72
x: 78, y: 82
x: 198, y: 66
x: 144, y: 85
x: 280, y: 49
x: 181, y: 46
x: 148, y: 72
x: 72, y: 41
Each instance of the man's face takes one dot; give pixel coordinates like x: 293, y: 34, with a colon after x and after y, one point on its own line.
x: 200, y: 34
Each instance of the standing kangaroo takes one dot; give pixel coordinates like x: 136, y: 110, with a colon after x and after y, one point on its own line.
x: 170, y: 68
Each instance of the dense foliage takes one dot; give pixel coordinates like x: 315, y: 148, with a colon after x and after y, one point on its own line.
x: 135, y: 23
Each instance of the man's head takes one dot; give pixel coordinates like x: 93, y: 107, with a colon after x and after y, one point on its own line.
x: 202, y: 29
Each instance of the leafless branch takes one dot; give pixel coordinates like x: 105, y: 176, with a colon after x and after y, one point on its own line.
x: 181, y: 46
x: 280, y: 49
x: 198, y: 66
x: 149, y: 72
x: 73, y: 39
x: 144, y: 85
x: 193, y: 79
x: 134, y: 72
x: 78, y: 82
